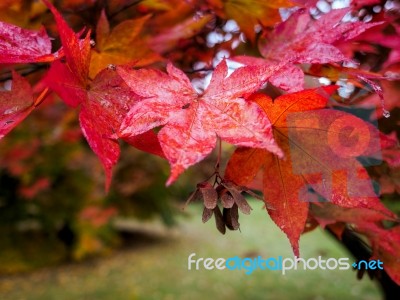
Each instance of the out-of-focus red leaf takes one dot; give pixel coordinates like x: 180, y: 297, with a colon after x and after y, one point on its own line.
x: 362, y: 3
x: 192, y: 122
x: 385, y: 246
x: 167, y: 39
x: 97, y: 216
x: 305, y: 3
x: 390, y: 91
x: 29, y: 192
x: 335, y: 72
x: 327, y: 213
x: 301, y: 39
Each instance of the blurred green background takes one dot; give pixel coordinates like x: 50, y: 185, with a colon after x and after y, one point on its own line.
x: 153, y: 265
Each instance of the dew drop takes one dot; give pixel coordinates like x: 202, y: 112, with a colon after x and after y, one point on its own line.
x: 92, y: 43
x: 386, y: 113
x: 10, y: 111
x: 198, y: 15
x: 392, y: 75
x: 111, y: 67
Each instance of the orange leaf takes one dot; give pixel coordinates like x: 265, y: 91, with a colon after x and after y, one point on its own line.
x: 124, y: 44
x: 320, y: 147
x: 249, y: 13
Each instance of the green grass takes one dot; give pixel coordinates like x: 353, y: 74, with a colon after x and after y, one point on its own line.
x: 156, y: 268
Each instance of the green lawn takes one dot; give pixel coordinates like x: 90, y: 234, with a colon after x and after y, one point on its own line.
x: 156, y: 268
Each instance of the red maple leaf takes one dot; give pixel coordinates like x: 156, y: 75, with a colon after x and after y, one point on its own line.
x: 320, y: 147
x: 103, y: 101
x: 191, y: 121
x: 16, y: 104
x: 328, y: 213
x: 20, y: 45
x: 301, y: 39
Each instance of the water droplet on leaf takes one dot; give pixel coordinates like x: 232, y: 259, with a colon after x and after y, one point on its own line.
x: 92, y: 43
x: 111, y: 67
x: 198, y: 15
x: 386, y: 113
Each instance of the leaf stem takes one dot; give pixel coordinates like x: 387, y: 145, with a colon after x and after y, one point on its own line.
x: 219, y: 156
x: 39, y: 100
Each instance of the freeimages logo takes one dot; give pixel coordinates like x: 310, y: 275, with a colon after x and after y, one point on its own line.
x: 278, y: 263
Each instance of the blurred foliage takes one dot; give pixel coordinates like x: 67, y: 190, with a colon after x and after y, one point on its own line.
x: 52, y: 191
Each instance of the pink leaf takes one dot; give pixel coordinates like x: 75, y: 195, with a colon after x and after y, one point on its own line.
x: 15, y: 105
x: 193, y: 122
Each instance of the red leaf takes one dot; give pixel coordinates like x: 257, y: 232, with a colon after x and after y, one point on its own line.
x: 317, y: 157
x: 104, y: 101
x: 20, y: 45
x: 77, y: 53
x: 16, y: 104
x: 301, y: 39
x: 386, y: 247
x: 192, y: 122
x: 147, y: 142
x: 327, y: 213
x: 306, y: 3
x: 66, y: 84
x: 103, y: 107
x: 290, y: 78
x: 389, y: 91
x: 361, y: 3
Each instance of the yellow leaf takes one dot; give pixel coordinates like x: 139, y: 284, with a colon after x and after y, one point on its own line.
x: 123, y: 44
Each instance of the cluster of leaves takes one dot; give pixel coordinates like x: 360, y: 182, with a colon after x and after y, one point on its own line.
x: 302, y: 147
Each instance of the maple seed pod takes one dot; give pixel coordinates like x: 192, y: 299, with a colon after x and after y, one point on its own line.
x: 240, y: 200
x: 226, y: 197
x: 207, y: 214
x: 210, y: 196
x: 231, y: 217
x: 219, y: 220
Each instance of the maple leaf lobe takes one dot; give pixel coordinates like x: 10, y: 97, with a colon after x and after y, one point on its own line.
x: 190, y: 131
